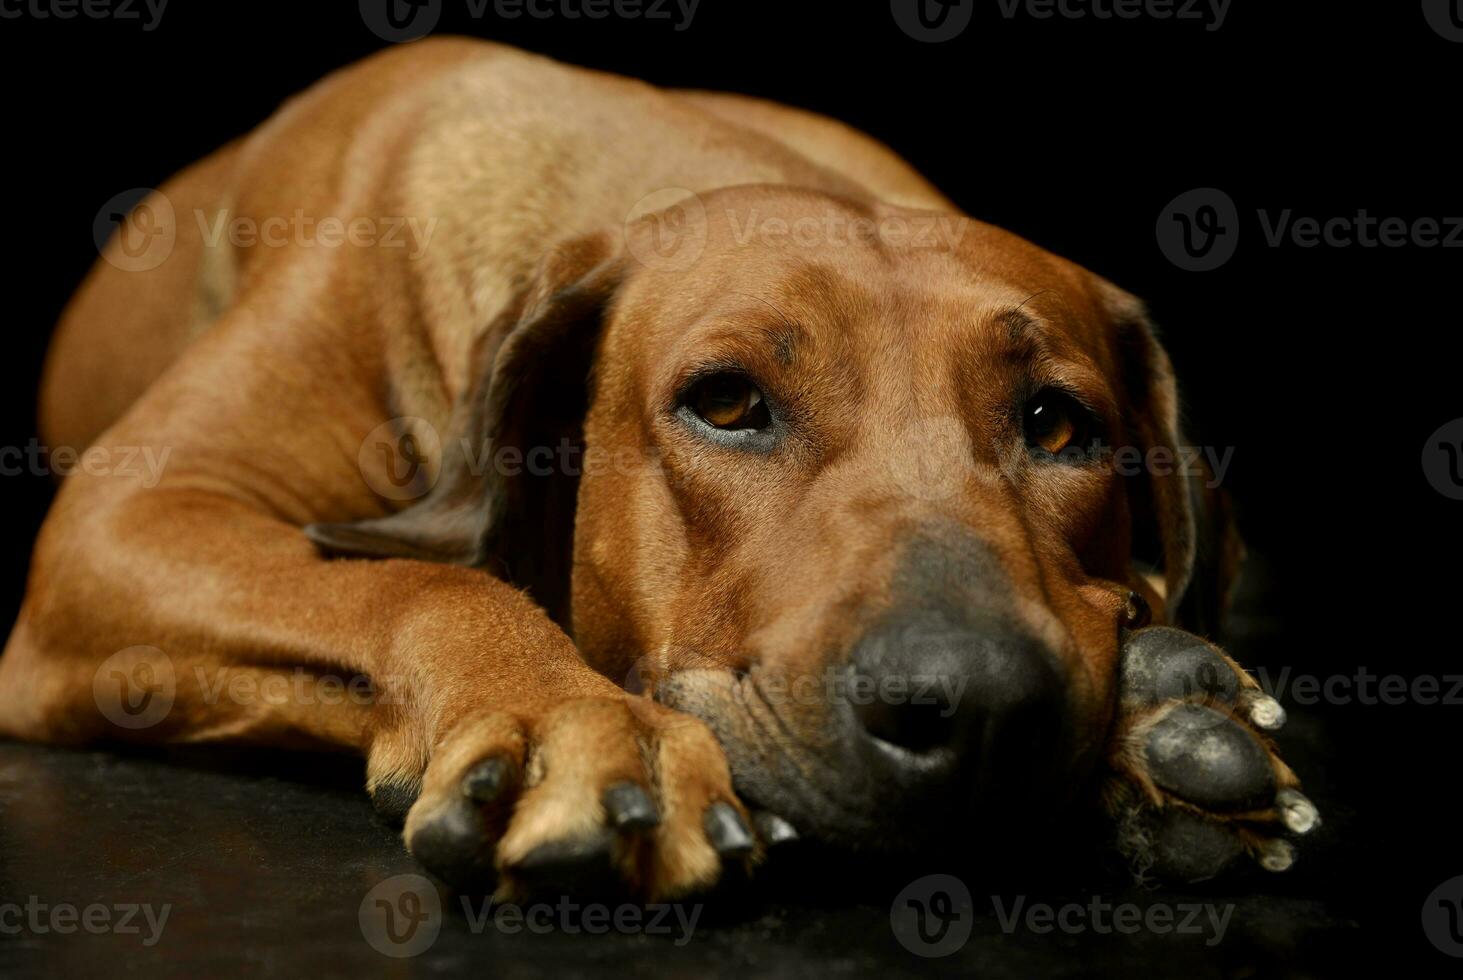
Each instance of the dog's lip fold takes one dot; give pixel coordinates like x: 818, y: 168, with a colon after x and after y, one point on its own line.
x: 841, y: 787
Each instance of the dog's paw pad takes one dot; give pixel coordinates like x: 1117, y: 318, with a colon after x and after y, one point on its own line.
x: 1186, y: 847
x: 1202, y: 756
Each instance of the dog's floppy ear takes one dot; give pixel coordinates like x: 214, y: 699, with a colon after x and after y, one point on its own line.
x: 1182, y: 523
x: 504, y: 497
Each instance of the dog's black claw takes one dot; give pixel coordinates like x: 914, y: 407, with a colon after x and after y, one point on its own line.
x: 726, y: 830
x: 630, y: 807
x: 454, y: 844
x: 485, y: 781
x: 1202, y: 756
x: 1161, y: 663
x: 773, y: 830
x: 1187, y: 848
x: 393, y: 801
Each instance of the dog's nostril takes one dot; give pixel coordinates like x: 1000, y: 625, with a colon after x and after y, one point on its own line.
x: 918, y: 726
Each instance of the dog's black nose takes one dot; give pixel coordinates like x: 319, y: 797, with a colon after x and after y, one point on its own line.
x: 962, y: 708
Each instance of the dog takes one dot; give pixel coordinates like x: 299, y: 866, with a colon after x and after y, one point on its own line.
x: 697, y: 479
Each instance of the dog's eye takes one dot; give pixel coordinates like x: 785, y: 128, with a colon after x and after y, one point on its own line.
x: 1055, y: 421
x: 729, y: 401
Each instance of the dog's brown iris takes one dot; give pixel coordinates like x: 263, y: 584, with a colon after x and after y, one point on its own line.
x: 730, y: 401
x: 1054, y: 421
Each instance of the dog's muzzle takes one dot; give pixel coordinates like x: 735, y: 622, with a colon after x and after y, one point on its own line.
x: 947, y: 712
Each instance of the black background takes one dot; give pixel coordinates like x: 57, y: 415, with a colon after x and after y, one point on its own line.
x: 1325, y: 368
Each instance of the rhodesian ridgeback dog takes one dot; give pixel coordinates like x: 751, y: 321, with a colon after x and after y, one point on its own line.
x: 698, y: 478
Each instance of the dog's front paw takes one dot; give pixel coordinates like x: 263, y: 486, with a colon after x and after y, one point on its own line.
x: 1195, y: 783
x: 593, y: 795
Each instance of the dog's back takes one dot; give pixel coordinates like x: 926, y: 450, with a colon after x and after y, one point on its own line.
x: 485, y: 153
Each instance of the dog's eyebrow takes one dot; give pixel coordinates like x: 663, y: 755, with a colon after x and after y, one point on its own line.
x: 785, y: 335
x: 1021, y: 327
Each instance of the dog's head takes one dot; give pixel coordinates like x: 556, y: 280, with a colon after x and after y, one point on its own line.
x: 868, y: 490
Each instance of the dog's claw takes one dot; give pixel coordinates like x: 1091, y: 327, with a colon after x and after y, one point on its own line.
x: 1201, y: 756
x: 727, y: 831
x: 773, y: 830
x: 630, y: 808
x: 1298, y: 813
x: 1264, y: 712
x: 484, y: 782
x: 1276, y: 855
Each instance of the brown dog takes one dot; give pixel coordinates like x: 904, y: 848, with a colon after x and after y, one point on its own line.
x: 723, y: 391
